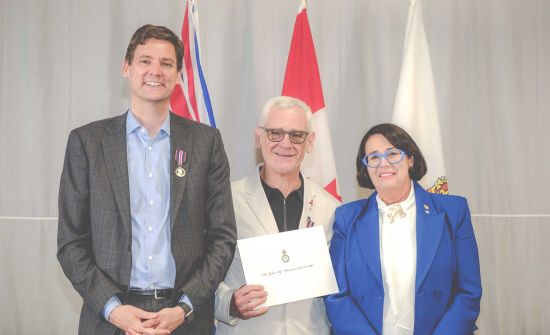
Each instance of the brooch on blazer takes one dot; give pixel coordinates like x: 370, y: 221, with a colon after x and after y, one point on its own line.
x: 311, y: 202
x: 180, y: 157
x: 395, y: 211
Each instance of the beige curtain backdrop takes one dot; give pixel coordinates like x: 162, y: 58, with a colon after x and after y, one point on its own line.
x: 60, y: 67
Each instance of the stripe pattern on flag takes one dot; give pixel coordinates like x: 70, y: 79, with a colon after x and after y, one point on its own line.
x: 190, y: 98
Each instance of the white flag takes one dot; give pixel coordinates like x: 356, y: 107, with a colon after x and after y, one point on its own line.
x: 415, y: 108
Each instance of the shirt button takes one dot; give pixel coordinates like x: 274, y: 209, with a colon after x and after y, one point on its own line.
x: 142, y: 131
x: 150, y: 148
x: 150, y: 175
x: 150, y: 202
x: 150, y: 228
x: 150, y: 257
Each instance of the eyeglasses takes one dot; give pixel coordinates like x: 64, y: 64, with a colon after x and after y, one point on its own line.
x: 393, y: 156
x: 277, y: 135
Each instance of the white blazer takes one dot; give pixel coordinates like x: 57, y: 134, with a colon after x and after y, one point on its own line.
x: 255, y: 218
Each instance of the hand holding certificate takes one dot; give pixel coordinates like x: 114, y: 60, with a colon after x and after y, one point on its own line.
x: 291, y: 266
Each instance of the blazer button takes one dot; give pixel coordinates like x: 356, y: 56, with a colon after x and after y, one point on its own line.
x: 437, y: 293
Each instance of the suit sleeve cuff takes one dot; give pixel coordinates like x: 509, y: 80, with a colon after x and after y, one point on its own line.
x: 184, y: 298
x: 223, y: 305
x: 109, y: 306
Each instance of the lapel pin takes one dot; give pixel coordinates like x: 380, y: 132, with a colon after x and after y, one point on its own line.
x: 426, y: 209
x: 310, y: 203
x: 180, y: 157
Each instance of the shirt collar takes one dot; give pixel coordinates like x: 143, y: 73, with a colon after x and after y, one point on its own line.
x: 405, y: 204
x: 269, y: 190
x: 132, y: 124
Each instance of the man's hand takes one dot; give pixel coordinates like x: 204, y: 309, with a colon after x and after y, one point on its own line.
x: 131, y: 319
x: 167, y: 319
x: 245, y: 300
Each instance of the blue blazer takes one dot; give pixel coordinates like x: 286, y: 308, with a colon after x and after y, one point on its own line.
x: 448, y: 284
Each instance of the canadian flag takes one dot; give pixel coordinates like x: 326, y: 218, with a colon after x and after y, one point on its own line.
x: 302, y: 81
x: 415, y: 108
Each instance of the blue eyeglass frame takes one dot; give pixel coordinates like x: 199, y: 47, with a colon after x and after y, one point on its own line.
x: 384, y: 156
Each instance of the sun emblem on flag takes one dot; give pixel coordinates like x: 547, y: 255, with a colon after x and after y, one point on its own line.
x: 440, y: 186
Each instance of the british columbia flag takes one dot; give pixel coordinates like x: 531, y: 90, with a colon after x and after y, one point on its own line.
x: 190, y: 98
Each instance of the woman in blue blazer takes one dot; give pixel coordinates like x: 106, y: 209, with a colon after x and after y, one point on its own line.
x: 406, y: 260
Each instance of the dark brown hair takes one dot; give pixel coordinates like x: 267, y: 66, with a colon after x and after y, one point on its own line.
x: 400, y: 139
x: 157, y: 32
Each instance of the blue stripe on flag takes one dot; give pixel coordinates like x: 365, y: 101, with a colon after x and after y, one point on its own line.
x: 205, y: 94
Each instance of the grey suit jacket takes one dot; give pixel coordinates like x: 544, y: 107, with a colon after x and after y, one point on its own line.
x: 94, y: 232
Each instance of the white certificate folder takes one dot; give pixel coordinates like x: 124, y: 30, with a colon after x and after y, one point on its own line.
x: 291, y: 266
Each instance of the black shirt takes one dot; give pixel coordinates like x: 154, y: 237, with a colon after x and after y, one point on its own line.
x: 287, y: 212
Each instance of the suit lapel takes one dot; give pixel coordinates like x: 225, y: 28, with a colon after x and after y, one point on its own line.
x: 116, y: 160
x: 429, y: 229
x: 258, y: 204
x: 368, y: 239
x: 180, y: 139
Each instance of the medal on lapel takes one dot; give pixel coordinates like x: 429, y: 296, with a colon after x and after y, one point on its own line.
x: 309, y: 222
x: 180, y: 158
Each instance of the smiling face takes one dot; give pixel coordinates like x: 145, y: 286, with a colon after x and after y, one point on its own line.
x: 152, y: 73
x: 284, y: 158
x: 392, y: 181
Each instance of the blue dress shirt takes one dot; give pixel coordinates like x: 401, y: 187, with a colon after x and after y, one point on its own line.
x: 149, y: 159
x: 149, y: 179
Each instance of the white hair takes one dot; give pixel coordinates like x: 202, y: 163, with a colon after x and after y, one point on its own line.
x: 285, y: 103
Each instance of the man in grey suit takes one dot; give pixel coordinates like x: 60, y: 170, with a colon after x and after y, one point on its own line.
x: 146, y: 224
